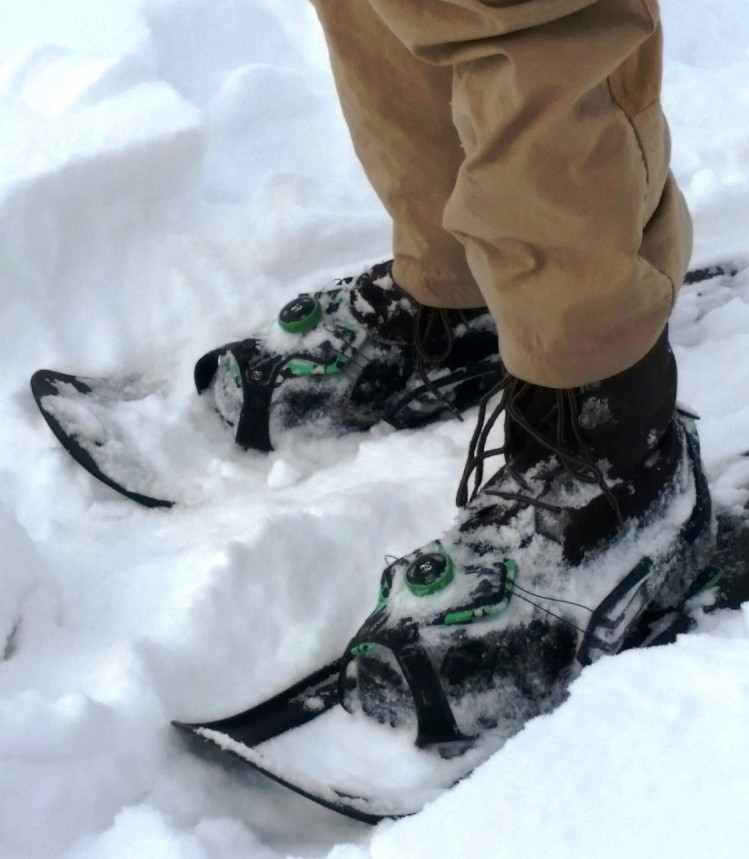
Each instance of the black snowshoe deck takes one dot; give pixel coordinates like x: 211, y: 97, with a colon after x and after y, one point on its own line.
x: 287, y: 736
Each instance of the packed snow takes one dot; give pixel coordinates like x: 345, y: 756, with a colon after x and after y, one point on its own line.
x: 171, y: 172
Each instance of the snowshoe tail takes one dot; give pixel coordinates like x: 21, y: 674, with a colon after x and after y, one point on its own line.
x: 726, y: 578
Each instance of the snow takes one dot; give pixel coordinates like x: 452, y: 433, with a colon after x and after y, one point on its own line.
x: 173, y: 171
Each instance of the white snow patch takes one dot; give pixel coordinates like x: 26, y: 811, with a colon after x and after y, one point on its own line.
x: 172, y: 172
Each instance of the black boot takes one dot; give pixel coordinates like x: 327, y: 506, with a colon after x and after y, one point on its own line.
x: 598, y: 521
x: 344, y: 358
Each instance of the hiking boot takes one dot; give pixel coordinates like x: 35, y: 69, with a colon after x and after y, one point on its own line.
x: 346, y: 357
x: 597, y: 524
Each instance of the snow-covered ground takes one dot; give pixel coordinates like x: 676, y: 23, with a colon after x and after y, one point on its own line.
x: 170, y: 172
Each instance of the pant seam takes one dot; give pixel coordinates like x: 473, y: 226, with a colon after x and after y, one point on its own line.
x: 641, y: 147
x: 633, y: 126
x: 648, y: 4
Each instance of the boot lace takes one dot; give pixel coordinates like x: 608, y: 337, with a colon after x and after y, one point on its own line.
x: 427, y: 323
x: 577, y: 463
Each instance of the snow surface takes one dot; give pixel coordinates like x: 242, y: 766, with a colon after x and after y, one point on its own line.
x: 171, y: 172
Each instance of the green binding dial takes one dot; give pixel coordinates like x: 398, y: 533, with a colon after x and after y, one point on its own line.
x: 430, y: 572
x: 300, y: 315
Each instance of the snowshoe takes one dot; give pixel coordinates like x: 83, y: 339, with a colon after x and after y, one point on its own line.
x: 104, y: 425
x: 303, y: 739
x: 600, y: 515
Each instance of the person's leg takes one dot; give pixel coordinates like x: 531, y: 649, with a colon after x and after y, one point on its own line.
x: 598, y: 521
x: 398, y: 111
x: 572, y: 225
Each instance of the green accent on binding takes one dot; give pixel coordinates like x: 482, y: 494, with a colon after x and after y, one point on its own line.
x: 359, y: 649
x: 329, y: 367
x: 464, y: 616
x: 298, y: 367
x: 301, y: 367
x: 468, y: 615
x: 491, y: 610
x: 236, y: 373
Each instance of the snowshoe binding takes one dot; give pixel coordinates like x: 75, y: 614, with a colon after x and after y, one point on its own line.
x: 344, y: 358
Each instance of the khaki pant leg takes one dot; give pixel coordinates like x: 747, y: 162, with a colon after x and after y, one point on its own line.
x: 398, y: 112
x: 572, y: 224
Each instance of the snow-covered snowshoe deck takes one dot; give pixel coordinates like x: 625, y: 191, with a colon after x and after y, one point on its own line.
x: 349, y: 763
x: 132, y: 432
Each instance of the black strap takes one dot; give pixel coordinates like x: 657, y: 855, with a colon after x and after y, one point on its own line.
x: 599, y: 620
x: 434, y: 716
x: 258, y: 371
x: 435, y: 721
